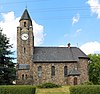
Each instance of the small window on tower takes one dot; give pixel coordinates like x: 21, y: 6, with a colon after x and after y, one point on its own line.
x: 24, y: 24
x: 22, y: 76
x: 24, y: 50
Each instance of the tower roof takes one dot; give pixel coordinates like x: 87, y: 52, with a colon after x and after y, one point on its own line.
x: 25, y: 16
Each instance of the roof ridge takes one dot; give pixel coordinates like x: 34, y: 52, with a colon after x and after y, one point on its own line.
x: 52, y: 47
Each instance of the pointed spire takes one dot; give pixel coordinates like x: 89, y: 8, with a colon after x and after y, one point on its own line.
x: 25, y: 16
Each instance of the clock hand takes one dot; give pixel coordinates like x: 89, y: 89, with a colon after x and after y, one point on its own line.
x: 25, y: 36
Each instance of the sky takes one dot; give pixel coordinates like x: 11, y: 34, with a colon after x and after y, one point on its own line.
x: 55, y: 22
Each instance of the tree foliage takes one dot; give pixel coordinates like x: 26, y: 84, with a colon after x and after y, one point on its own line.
x: 94, y: 68
x: 7, y: 71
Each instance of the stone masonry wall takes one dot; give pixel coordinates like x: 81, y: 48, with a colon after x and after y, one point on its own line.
x: 83, y: 67
x: 46, y: 73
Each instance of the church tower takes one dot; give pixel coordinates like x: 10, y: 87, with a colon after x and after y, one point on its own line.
x: 25, y: 48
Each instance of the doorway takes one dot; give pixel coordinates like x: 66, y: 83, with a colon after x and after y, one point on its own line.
x: 75, y: 80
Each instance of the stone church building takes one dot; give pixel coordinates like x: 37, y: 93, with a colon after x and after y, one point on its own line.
x: 36, y: 65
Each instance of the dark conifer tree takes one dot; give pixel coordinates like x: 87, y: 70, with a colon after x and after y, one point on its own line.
x: 7, y: 70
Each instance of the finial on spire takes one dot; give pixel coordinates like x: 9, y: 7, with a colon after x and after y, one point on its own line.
x: 26, y: 4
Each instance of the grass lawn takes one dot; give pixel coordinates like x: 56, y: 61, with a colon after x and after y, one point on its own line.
x: 61, y: 90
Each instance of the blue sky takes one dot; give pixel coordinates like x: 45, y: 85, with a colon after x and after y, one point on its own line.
x: 56, y: 23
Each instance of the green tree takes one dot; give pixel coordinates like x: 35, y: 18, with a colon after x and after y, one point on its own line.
x: 94, y: 68
x: 7, y: 70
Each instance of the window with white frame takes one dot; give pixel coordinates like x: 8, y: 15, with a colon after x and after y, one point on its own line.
x: 39, y: 71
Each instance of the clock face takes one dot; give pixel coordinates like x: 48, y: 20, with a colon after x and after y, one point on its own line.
x: 24, y: 36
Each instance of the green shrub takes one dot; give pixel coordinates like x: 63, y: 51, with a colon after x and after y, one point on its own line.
x: 17, y: 90
x: 85, y: 89
x: 49, y: 85
x: 87, y: 83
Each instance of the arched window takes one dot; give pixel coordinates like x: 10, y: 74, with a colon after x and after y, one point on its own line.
x: 65, y: 71
x: 22, y: 76
x: 24, y: 50
x: 53, y: 71
x: 39, y: 71
x: 75, y: 80
x: 24, y: 24
x: 26, y: 76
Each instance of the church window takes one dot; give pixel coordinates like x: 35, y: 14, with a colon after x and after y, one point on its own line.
x: 22, y: 76
x: 26, y: 77
x: 65, y: 71
x: 24, y: 49
x: 24, y: 24
x: 39, y: 71
x: 53, y: 71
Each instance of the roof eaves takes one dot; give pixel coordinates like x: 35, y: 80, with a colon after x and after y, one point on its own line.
x: 74, y: 73
x: 84, y: 58
x: 53, y: 61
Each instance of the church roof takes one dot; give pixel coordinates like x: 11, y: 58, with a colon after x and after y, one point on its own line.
x: 25, y: 16
x: 58, y: 54
x: 74, y: 73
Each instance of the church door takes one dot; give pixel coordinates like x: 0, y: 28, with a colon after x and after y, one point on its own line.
x: 75, y: 80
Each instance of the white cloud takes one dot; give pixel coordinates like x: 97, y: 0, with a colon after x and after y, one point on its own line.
x: 78, y: 30
x: 95, y: 7
x: 38, y: 33
x: 75, y: 19
x: 91, y: 47
x: 9, y: 24
x: 62, y: 46
x: 87, y: 48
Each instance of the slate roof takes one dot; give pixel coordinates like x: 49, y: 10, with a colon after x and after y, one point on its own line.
x: 58, y: 54
x: 74, y: 73
x: 25, y: 16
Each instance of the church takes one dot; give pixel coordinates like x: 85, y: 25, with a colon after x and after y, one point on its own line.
x: 37, y: 65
